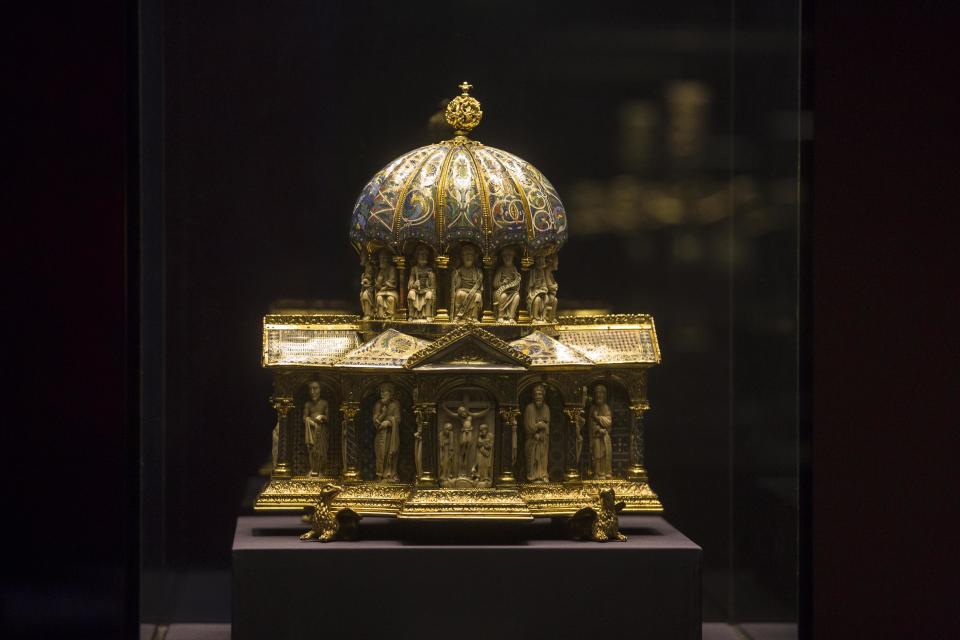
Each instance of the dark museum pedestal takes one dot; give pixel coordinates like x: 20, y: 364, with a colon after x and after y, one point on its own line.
x: 459, y: 581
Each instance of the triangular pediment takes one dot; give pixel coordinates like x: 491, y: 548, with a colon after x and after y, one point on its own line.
x: 471, y: 347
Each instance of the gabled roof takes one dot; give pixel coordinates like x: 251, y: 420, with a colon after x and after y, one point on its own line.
x: 388, y: 350
x: 544, y: 351
x: 468, y: 346
x: 309, y: 338
x: 612, y: 339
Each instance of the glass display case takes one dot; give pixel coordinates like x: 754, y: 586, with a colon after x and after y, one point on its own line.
x: 675, y: 136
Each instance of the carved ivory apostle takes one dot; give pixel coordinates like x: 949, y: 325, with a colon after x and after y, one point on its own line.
x: 484, y: 454
x: 386, y: 286
x: 386, y: 421
x: 421, y: 287
x: 368, y: 298
x: 316, y: 418
x: 552, y: 262
x: 536, y: 425
x: 448, y: 461
x: 467, y: 285
x: 538, y: 291
x: 506, y: 287
x: 601, y: 421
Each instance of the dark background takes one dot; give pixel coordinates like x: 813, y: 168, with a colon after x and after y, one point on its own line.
x: 670, y: 131
x: 880, y: 546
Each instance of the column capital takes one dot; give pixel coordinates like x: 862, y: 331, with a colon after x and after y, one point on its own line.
x: 510, y: 415
x: 282, y: 404
x: 639, y: 408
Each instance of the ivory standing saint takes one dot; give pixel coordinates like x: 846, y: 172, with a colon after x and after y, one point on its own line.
x: 536, y: 426
x: 316, y: 420
x: 484, y: 455
x: 386, y: 287
x: 368, y: 297
x: 421, y: 287
x: 448, y: 458
x: 386, y: 421
x: 552, y: 262
x: 467, y: 285
x: 538, y: 291
x: 601, y: 422
x: 506, y: 287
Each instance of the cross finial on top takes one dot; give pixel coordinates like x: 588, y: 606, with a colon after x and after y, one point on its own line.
x: 465, y: 87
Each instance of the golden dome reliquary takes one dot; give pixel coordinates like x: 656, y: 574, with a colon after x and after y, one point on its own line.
x: 459, y: 391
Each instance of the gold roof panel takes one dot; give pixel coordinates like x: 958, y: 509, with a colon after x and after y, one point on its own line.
x: 544, y: 351
x: 614, y: 346
x: 389, y: 350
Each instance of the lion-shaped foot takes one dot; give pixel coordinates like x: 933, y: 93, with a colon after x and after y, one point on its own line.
x: 328, y: 524
x: 599, y: 522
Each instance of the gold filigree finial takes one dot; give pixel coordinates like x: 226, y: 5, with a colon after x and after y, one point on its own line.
x: 463, y: 112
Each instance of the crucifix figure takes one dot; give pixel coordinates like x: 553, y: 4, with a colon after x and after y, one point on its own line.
x: 466, y: 451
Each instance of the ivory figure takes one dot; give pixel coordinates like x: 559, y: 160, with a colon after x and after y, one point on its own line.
x: 536, y: 425
x: 506, y: 287
x: 368, y: 298
x: 484, y: 455
x: 552, y: 262
x: 467, y: 284
x: 448, y: 461
x: 421, y: 287
x: 601, y: 422
x: 386, y: 287
x: 386, y: 421
x: 538, y: 291
x: 466, y: 455
x: 316, y: 421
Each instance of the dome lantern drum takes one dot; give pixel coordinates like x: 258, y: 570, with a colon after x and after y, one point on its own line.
x: 459, y: 191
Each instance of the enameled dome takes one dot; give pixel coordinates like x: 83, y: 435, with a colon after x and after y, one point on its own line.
x: 459, y: 191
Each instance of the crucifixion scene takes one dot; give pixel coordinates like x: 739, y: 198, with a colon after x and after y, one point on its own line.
x: 466, y: 441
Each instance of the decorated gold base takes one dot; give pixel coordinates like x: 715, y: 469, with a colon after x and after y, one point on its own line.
x: 522, y: 502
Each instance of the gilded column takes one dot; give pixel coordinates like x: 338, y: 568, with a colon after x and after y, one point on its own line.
x: 349, y: 444
x: 489, y: 262
x: 574, y: 442
x: 525, y: 263
x: 637, y: 470
x: 441, y: 262
x: 282, y: 405
x: 425, y: 446
x: 401, y: 264
x: 508, y: 446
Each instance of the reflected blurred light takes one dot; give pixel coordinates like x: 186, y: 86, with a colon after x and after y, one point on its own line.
x: 688, y: 102
x: 665, y: 208
x: 639, y: 125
